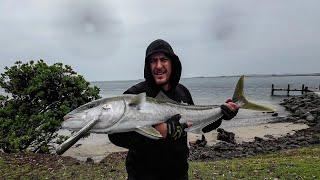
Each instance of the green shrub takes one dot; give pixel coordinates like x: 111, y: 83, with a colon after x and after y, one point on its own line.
x: 39, y: 95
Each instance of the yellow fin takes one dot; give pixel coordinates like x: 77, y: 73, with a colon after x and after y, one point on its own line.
x: 149, y: 132
x: 240, y: 99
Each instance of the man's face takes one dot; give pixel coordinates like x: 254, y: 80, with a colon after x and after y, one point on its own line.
x: 161, y: 68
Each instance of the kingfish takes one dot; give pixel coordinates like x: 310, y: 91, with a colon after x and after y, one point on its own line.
x: 139, y: 113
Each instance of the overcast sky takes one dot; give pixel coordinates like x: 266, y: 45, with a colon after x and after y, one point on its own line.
x: 106, y: 40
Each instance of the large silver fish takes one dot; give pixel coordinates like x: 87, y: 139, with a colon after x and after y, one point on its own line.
x: 138, y: 113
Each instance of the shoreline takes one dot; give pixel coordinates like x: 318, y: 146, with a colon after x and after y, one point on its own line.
x: 97, y: 146
x: 300, y: 128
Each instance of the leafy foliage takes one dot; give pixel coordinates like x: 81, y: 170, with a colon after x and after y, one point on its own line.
x: 39, y: 95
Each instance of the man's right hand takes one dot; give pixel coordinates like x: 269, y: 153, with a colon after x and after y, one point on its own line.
x: 172, y: 128
x: 175, y: 129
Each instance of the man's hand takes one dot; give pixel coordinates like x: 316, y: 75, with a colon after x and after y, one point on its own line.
x: 162, y: 128
x: 172, y: 128
x: 229, y: 110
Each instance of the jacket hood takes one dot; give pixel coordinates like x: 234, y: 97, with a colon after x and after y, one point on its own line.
x: 160, y: 45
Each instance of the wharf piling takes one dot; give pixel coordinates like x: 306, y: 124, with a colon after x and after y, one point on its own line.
x: 304, y: 89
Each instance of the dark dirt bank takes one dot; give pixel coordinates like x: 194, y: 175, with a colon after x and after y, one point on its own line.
x: 304, y: 109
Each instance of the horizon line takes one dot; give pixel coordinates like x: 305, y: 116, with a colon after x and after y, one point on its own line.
x: 220, y: 76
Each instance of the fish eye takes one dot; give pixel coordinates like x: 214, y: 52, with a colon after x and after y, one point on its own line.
x: 106, y: 107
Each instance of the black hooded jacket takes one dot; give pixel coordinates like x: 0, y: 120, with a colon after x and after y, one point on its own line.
x: 164, y: 158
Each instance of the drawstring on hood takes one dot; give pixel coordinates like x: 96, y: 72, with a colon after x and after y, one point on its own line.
x: 160, y: 45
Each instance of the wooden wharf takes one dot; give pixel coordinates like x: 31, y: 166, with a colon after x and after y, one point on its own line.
x: 304, y: 89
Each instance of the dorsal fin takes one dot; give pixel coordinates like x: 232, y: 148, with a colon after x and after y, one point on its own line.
x: 163, y: 97
x: 138, y: 100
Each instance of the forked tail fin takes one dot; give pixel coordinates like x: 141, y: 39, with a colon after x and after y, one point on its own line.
x: 240, y: 99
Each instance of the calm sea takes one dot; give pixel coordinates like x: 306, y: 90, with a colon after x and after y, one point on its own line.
x: 215, y: 90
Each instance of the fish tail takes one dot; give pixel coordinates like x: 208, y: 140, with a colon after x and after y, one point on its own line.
x: 241, y: 100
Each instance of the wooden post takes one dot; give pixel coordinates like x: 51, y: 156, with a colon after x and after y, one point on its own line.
x: 302, y: 89
x: 288, y: 90
x: 272, y: 90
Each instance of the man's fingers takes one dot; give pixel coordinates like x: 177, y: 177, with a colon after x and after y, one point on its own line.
x: 186, y: 125
x: 232, y: 106
x: 189, y: 124
x: 176, y: 117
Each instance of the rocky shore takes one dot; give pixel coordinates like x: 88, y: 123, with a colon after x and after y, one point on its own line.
x: 304, y: 109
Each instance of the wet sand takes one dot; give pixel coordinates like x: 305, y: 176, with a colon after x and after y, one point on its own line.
x: 247, y: 134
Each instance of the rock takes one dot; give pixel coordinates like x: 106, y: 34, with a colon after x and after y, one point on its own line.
x: 305, y: 115
x: 316, y: 102
x: 89, y: 161
x: 291, y: 142
x: 301, y: 138
x: 204, y: 155
x: 225, y: 136
x: 258, y: 139
x: 201, y: 142
x: 298, y: 113
x: 275, y: 114
x: 294, y: 146
x: 291, y: 119
x: 224, y: 146
x: 294, y: 108
x: 258, y: 150
x: 302, y: 121
x: 269, y: 136
x: 310, y: 118
x: 317, y: 126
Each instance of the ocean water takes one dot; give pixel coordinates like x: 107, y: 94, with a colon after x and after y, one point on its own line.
x: 215, y: 90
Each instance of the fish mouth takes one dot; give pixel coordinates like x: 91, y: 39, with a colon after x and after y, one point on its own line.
x: 73, y: 122
x: 71, y: 116
x: 66, y: 117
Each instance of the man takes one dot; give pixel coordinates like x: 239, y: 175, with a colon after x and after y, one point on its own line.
x: 165, y: 158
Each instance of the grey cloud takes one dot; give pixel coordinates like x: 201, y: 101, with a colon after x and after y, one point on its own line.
x: 105, y: 40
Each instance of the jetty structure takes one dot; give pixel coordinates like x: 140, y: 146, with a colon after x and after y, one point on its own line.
x: 304, y: 89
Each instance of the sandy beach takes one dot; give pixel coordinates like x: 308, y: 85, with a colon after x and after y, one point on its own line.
x: 98, y: 146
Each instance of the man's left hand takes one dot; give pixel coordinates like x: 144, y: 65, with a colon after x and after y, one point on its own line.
x: 229, y: 110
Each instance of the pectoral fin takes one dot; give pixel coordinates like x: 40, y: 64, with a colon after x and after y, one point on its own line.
x: 149, y: 132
